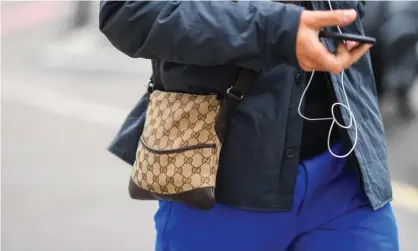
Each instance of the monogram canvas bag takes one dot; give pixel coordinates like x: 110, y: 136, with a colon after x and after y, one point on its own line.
x: 178, y: 151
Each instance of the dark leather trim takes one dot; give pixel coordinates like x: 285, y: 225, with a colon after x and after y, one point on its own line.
x: 201, y: 198
x: 177, y: 150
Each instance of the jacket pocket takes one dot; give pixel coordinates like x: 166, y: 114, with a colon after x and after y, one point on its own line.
x: 174, y: 171
x: 178, y: 153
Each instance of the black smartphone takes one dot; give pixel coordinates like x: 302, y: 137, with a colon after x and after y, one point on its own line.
x: 348, y: 37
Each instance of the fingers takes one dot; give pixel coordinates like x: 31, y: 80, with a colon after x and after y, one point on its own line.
x: 323, y: 60
x: 345, y: 58
x: 320, y: 19
x: 313, y: 55
x: 350, y: 57
x: 351, y: 45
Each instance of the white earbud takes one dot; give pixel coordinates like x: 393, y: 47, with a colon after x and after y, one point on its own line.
x: 353, y: 121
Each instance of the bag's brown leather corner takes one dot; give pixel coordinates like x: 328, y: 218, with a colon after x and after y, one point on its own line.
x: 202, y: 198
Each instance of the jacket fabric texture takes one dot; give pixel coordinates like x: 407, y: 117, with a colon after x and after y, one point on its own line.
x: 200, y: 47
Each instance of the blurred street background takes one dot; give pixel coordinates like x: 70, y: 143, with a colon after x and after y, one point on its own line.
x: 64, y: 93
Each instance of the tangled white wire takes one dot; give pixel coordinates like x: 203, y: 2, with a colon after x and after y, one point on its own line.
x: 333, y: 118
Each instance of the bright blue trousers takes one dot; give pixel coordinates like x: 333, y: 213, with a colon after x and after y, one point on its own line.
x: 330, y: 213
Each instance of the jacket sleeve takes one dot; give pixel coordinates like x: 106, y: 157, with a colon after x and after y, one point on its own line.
x: 251, y: 34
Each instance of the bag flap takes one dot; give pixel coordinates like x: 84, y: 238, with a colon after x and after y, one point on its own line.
x: 179, y: 120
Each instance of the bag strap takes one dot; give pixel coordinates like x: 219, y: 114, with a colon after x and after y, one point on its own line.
x: 234, y: 95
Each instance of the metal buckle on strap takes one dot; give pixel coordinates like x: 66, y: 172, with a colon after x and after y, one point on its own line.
x: 231, y: 94
x: 150, y: 87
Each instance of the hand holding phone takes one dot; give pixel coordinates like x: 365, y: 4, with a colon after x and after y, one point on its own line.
x: 312, y: 55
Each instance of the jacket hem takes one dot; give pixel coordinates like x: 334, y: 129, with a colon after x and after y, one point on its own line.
x: 382, y: 204
x: 122, y: 155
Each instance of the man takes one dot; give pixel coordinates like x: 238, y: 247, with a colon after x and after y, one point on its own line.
x: 279, y: 187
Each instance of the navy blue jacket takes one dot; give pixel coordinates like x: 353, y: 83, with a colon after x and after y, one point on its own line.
x: 199, y: 46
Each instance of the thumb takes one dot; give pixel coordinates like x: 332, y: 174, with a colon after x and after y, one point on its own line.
x: 320, y: 19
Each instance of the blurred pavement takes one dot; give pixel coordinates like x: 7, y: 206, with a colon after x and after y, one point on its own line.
x: 61, y: 106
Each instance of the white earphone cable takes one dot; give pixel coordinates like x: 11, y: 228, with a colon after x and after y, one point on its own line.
x: 333, y: 118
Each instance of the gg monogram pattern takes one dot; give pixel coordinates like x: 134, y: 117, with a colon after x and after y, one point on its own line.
x: 179, y: 149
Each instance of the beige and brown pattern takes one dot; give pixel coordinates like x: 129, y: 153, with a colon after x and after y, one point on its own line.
x: 179, y: 149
